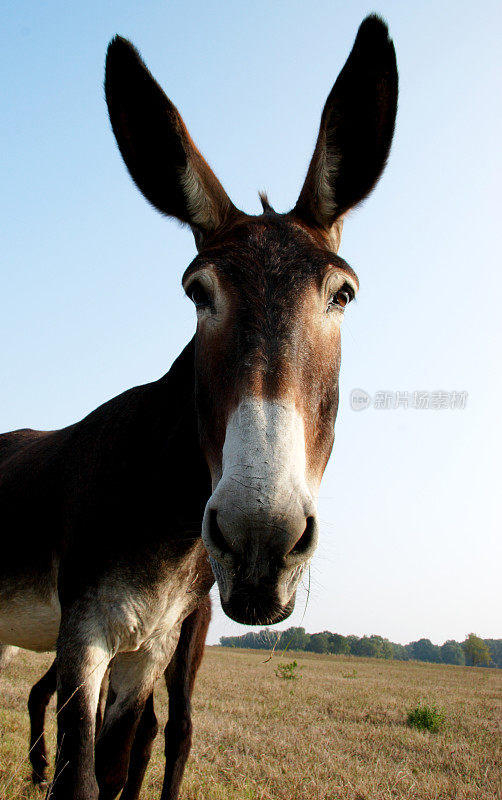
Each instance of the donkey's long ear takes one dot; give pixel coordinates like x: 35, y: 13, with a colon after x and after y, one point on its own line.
x: 157, y: 148
x: 356, y: 131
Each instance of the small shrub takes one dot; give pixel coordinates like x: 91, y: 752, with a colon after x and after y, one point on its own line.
x: 287, y: 671
x: 426, y: 718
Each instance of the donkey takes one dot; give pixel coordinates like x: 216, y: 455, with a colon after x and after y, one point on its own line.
x: 114, y: 527
x: 180, y: 679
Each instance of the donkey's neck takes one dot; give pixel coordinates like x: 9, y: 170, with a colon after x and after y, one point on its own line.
x: 143, y: 446
x: 150, y: 415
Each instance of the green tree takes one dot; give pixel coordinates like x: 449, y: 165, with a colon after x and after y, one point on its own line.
x: 424, y: 650
x: 255, y: 640
x: 476, y: 651
x: 495, y: 646
x: 294, y: 639
x: 338, y: 644
x: 387, y: 650
x: 400, y: 652
x: 365, y: 646
x: 372, y: 647
x: 319, y: 643
x: 452, y: 653
x: 382, y: 648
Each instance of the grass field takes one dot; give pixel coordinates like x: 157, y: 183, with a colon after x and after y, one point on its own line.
x: 336, y: 733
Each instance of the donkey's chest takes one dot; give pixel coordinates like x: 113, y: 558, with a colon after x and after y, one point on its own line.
x: 145, y: 617
x: 139, y: 622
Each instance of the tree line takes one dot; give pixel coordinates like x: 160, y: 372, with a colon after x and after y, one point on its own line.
x: 473, y: 651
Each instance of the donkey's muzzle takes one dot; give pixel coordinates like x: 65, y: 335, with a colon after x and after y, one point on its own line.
x: 258, y: 563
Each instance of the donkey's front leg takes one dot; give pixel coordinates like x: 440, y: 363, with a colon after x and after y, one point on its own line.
x: 132, y: 677
x: 82, y: 660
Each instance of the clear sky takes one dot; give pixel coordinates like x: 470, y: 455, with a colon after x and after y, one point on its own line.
x: 91, y: 302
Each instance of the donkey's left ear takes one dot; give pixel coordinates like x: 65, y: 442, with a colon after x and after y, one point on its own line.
x: 156, y: 146
x: 356, y: 131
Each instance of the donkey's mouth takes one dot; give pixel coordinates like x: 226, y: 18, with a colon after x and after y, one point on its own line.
x: 256, y: 609
x: 249, y: 611
x: 257, y: 602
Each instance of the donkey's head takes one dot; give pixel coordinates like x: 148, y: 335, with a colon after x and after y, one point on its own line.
x: 270, y: 293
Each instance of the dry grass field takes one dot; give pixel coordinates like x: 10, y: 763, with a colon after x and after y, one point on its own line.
x: 337, y: 733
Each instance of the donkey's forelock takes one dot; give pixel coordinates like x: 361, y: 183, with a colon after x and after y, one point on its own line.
x: 267, y: 208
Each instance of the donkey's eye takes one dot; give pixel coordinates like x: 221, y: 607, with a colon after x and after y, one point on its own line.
x: 199, y: 296
x: 340, y: 299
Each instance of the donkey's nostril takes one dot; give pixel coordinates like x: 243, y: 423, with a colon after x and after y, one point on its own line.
x: 306, y: 540
x: 217, y: 538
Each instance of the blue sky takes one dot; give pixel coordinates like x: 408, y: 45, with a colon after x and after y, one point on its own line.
x: 90, y: 274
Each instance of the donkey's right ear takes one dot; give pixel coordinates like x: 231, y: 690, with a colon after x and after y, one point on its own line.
x: 157, y: 149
